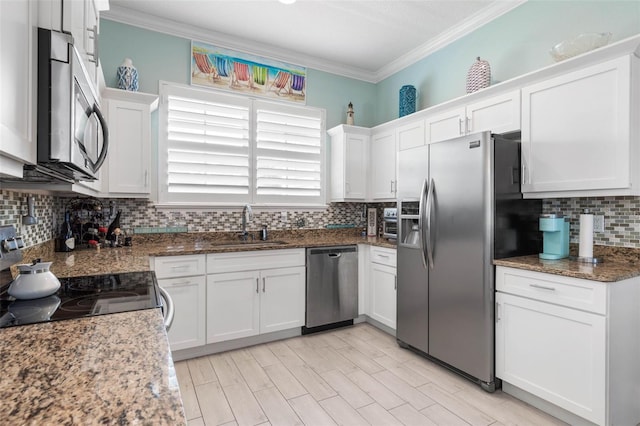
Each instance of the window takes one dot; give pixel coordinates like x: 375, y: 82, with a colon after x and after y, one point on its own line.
x: 219, y: 149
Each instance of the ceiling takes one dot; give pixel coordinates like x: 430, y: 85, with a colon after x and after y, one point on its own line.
x: 364, y: 39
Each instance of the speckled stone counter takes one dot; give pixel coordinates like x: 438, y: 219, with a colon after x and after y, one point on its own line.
x: 619, y: 264
x: 108, y: 369
x: 136, y: 258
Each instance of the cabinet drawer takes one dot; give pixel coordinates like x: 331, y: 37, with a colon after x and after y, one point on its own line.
x: 383, y: 256
x: 565, y: 291
x: 179, y: 266
x: 254, y: 260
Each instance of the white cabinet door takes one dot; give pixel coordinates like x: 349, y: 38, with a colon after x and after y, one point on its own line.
x: 445, y: 125
x: 553, y: 352
x: 498, y: 114
x: 349, y: 149
x: 282, y: 299
x: 576, y: 130
x: 383, y: 166
x: 129, y: 159
x: 411, y: 135
x: 382, y: 294
x: 189, y: 299
x: 18, y: 49
x: 233, y: 305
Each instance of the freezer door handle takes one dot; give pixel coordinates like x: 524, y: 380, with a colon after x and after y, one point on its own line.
x: 430, y: 208
x: 421, y: 222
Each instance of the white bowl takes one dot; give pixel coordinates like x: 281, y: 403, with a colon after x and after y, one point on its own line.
x: 578, y: 45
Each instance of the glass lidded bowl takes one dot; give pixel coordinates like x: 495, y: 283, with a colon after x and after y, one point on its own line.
x: 578, y: 45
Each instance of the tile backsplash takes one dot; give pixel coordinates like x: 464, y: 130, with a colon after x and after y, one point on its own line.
x: 622, y: 217
x: 13, y: 205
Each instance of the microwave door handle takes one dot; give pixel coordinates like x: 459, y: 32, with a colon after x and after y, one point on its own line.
x: 105, y: 138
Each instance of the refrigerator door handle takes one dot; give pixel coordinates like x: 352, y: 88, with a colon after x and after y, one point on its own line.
x: 421, y: 223
x: 429, y: 209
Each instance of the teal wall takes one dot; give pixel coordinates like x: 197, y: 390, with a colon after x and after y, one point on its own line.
x: 160, y: 56
x: 516, y: 43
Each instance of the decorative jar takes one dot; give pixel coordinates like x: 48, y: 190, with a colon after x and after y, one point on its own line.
x: 407, y: 100
x: 127, y: 76
x: 479, y: 76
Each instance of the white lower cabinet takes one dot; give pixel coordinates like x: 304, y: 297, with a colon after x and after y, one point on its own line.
x: 183, y: 277
x: 382, y: 286
x: 254, y: 293
x: 567, y: 341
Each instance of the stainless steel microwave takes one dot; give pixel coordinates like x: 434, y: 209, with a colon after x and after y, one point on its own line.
x: 73, y: 138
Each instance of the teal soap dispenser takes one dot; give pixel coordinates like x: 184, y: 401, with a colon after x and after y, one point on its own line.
x: 555, y: 236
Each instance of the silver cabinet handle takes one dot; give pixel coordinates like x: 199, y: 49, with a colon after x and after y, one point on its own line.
x: 264, y: 284
x: 94, y: 37
x: 498, y: 316
x: 542, y: 287
x: 146, y: 178
x: 257, y: 285
x: 180, y: 267
x: 395, y: 284
x: 468, y: 122
x: 181, y: 283
x: 460, y: 126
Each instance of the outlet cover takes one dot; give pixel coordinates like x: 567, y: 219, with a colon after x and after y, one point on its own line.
x: 598, y: 223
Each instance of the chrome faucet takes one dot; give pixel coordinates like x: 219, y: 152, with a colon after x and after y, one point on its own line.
x: 246, y: 210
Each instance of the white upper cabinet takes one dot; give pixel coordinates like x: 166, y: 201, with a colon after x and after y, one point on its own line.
x: 128, y: 165
x: 18, y: 49
x: 498, y: 114
x: 578, y: 135
x: 383, y: 166
x: 349, y: 158
x: 411, y: 135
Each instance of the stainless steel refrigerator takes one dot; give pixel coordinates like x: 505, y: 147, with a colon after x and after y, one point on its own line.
x: 468, y: 212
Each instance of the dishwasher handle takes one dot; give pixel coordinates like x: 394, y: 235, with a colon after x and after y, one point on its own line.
x: 331, y: 250
x: 334, y: 255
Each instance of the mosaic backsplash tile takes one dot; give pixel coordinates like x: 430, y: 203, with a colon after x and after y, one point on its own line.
x: 621, y: 218
x: 14, y: 204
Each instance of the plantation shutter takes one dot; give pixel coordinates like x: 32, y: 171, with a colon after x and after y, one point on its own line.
x: 288, y: 154
x: 207, y: 147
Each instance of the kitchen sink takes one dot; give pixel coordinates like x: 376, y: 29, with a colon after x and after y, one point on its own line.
x: 258, y: 243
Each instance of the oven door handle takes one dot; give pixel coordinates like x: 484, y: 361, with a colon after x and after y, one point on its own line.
x: 105, y: 138
x: 168, y: 310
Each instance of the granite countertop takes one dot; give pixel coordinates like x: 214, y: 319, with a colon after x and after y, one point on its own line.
x: 618, y: 264
x: 105, y: 369
x: 136, y: 258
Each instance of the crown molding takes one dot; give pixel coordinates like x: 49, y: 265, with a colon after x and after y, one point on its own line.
x: 166, y: 26
x: 464, y: 28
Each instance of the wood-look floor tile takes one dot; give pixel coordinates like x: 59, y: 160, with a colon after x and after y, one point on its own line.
x: 278, y: 411
x: 284, y: 354
x: 441, y: 416
x: 263, y: 355
x: 467, y: 412
x: 409, y: 416
x: 201, y: 371
x: 348, y: 390
x: 398, y: 368
x: 286, y: 383
x: 196, y: 422
x: 189, y: 399
x: 376, y: 415
x: 226, y: 369
x: 335, y: 342
x: 233, y: 423
x: 362, y: 361
x: 253, y: 374
x: 213, y: 404
x: 336, y: 360
x: 364, y: 347
x: 342, y: 413
x: 417, y: 399
x: 438, y: 375
x: 313, y: 358
x: 246, y: 409
x: 310, y: 412
x: 376, y: 390
x: 512, y: 412
x: 312, y: 382
x: 318, y: 340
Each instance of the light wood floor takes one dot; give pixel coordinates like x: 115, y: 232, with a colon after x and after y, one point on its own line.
x: 350, y: 376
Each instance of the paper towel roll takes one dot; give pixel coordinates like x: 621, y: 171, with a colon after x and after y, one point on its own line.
x: 586, y: 236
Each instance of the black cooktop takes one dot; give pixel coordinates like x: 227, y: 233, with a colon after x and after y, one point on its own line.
x: 82, y: 297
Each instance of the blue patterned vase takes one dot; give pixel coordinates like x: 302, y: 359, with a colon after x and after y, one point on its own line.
x: 407, y: 100
x: 127, y: 76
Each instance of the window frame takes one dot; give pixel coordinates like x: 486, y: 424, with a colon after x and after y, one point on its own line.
x: 168, y: 200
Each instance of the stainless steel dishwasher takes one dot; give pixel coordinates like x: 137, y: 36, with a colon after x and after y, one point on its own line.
x: 332, y: 286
